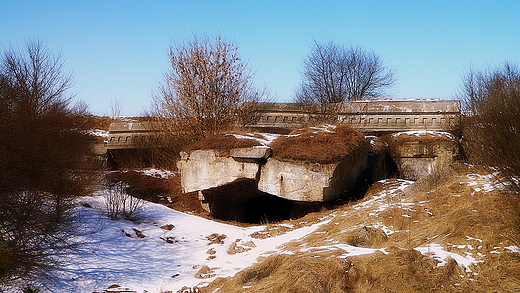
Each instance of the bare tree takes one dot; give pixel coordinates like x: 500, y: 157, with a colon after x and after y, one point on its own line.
x: 115, y: 108
x: 44, y: 156
x: 333, y: 73
x: 208, y: 89
x: 492, y: 135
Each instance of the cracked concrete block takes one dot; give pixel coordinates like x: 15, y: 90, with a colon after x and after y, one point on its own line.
x: 205, y: 169
x: 310, y: 182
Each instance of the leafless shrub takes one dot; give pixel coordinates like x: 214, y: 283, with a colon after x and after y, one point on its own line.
x: 45, y: 157
x: 492, y: 131
x: 31, y: 233
x: 118, y: 202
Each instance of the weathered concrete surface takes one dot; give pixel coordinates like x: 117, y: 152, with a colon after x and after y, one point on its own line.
x: 311, y: 182
x: 205, y: 169
x: 129, y: 135
x: 233, y: 185
x: 419, y: 155
x: 260, y: 152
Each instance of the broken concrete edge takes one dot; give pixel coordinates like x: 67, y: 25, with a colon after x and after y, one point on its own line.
x: 312, y: 182
x: 255, y: 152
x: 297, y: 181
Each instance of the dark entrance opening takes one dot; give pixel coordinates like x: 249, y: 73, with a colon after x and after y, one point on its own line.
x: 267, y: 208
x: 241, y: 200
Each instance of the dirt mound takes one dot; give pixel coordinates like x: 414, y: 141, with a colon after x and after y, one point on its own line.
x: 323, y: 145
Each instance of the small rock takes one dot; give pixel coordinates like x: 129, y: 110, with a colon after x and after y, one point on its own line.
x: 138, y: 233
x: 168, y: 227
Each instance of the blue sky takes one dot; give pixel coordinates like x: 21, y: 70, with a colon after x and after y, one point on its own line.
x: 118, y: 50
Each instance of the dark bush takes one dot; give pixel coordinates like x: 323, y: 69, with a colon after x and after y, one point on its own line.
x: 45, y: 158
x: 492, y: 130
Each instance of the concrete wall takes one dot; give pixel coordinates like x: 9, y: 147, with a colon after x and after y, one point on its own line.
x: 373, y: 116
x: 128, y: 135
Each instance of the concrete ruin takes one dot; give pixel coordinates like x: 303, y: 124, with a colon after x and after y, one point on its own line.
x: 226, y: 184
x: 234, y: 186
x: 373, y: 116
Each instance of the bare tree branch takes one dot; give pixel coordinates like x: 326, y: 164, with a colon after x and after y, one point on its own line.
x: 44, y: 158
x: 333, y: 73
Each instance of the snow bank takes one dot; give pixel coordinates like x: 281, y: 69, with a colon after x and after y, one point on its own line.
x: 162, y: 250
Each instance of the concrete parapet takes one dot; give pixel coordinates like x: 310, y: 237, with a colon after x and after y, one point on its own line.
x: 400, y: 106
x: 130, y: 135
x: 374, y: 115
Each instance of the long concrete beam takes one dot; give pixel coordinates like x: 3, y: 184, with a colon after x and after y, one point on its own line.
x: 374, y: 116
x: 370, y: 116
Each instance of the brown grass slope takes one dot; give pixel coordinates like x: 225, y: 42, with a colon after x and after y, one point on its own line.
x: 465, y: 213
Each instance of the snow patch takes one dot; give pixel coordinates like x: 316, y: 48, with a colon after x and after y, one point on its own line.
x: 515, y: 249
x: 438, y: 253
x: 161, y: 250
x: 421, y: 133
x: 162, y: 174
x: 98, y: 133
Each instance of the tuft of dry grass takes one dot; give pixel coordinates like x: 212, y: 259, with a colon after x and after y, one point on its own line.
x: 292, y: 273
x: 323, y: 145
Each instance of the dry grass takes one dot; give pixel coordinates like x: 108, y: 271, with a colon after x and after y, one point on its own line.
x: 459, y: 213
x: 291, y: 273
x: 315, y: 145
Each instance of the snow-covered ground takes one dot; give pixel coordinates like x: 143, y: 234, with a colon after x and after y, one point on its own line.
x: 166, y: 250
x: 144, y: 255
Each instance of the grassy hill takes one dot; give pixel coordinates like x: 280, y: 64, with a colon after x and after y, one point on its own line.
x: 455, y: 231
